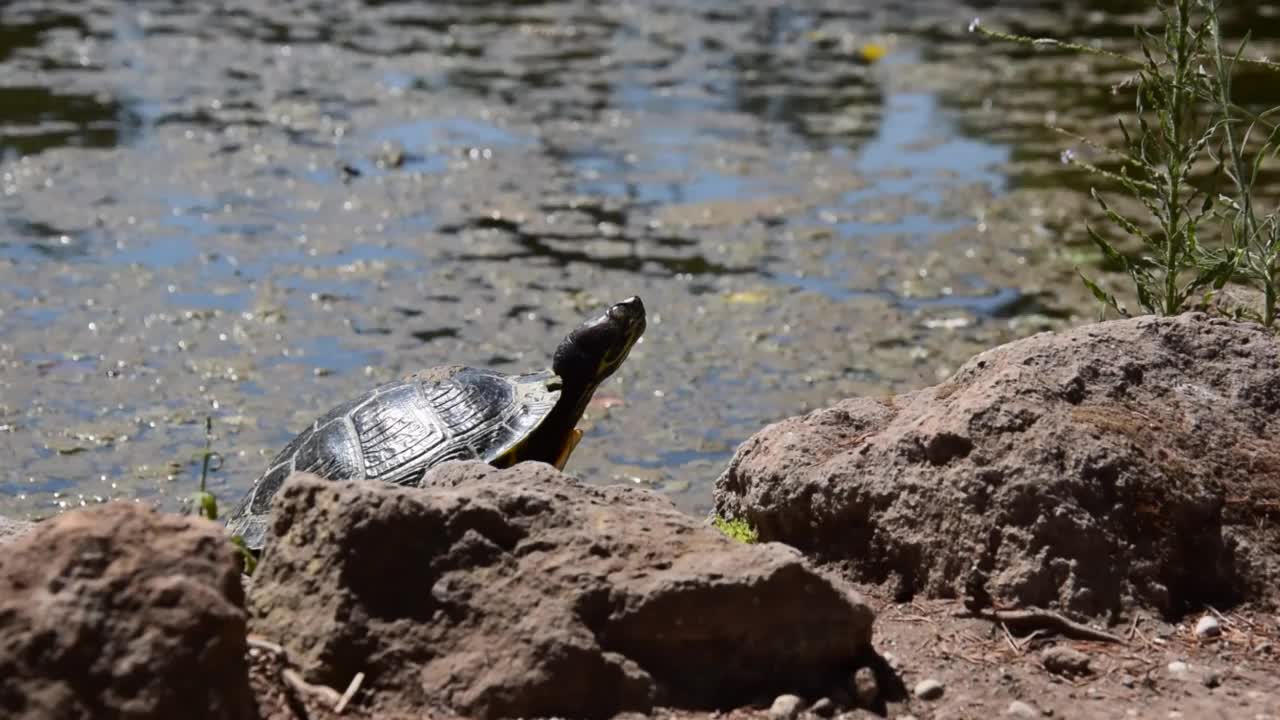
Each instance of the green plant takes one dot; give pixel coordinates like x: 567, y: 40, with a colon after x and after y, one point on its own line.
x: 206, y: 503
x: 736, y: 529
x: 1185, y: 121
x: 1256, y: 239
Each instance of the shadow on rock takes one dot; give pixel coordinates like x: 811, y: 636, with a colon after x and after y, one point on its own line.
x: 1117, y: 464
x: 521, y: 592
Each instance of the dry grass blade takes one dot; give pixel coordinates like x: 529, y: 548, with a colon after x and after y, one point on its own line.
x: 1133, y: 628
x: 1008, y: 637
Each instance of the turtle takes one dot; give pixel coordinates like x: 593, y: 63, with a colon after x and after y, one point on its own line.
x: 397, y: 431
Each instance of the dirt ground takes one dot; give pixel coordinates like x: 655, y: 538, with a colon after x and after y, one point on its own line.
x: 1160, y: 670
x: 984, y: 667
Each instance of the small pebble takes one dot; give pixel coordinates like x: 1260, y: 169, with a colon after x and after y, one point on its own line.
x: 865, y: 687
x: 929, y: 689
x: 1208, y: 627
x: 1211, y: 679
x: 1019, y: 709
x: 1127, y: 681
x: 1062, y: 660
x: 1177, y: 667
x: 823, y: 708
x: 786, y: 707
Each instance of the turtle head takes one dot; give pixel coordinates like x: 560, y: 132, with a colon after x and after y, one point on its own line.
x: 595, y: 350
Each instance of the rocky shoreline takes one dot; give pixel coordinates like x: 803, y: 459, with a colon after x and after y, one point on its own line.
x: 1045, y: 532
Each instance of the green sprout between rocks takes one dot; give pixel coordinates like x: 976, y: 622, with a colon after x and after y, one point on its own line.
x: 1184, y: 122
x: 736, y: 529
x: 210, y: 461
x: 206, y: 503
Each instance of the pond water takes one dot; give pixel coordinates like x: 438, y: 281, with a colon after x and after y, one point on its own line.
x: 256, y: 211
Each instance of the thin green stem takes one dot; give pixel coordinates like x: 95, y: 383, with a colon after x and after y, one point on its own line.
x: 1176, y: 114
x: 1244, y: 195
x: 1051, y: 42
x: 1269, y: 301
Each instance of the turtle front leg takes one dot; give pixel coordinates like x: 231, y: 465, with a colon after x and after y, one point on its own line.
x: 571, y: 442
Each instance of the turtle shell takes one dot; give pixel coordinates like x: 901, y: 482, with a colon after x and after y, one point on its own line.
x: 395, y: 432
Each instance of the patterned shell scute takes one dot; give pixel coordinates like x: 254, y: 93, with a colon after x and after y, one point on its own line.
x: 395, y: 429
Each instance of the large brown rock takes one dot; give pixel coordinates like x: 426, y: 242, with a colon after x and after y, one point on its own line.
x: 122, y: 611
x: 1122, y: 462
x: 521, y: 592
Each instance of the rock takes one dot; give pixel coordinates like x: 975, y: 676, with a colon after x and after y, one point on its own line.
x: 1087, y: 470
x: 1211, y: 679
x: 1177, y: 667
x: 786, y: 707
x: 1208, y: 627
x: 13, y: 529
x: 1019, y: 709
x: 522, y: 592
x: 928, y: 689
x: 824, y: 707
x: 865, y: 687
x: 1063, y: 660
x: 892, y: 660
x: 122, y: 611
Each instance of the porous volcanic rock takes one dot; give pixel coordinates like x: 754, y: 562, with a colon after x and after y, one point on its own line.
x: 1133, y: 461
x: 522, y: 592
x: 122, y: 611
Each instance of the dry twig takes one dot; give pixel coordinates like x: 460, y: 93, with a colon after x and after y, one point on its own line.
x: 323, y: 693
x: 300, y: 687
x: 352, y: 689
x: 266, y: 646
x: 1047, y: 620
